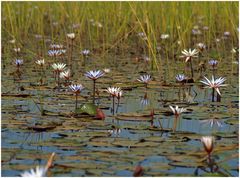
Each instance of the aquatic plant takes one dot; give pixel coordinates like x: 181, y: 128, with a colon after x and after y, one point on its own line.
x: 38, y: 172
x: 66, y: 75
x: 188, y: 55
x: 76, y: 89
x: 18, y: 63
x: 201, y: 46
x: 215, y: 84
x: 208, y: 144
x: 85, y: 54
x: 58, y: 68
x: 71, y: 36
x: 94, y: 75
x: 145, y: 79
x: 177, y: 111
x: 114, y: 92
x: 213, y: 63
x: 181, y: 78
x: 212, y: 122
x: 41, y: 62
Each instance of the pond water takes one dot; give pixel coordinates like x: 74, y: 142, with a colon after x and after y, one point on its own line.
x: 85, y: 146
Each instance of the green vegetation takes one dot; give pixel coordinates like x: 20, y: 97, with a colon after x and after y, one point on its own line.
x: 111, y: 26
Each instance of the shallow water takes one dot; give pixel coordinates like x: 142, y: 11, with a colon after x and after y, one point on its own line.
x: 87, y: 147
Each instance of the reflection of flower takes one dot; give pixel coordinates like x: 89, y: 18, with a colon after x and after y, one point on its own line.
x: 208, y: 143
x: 214, y: 83
x: 189, y: 54
x: 145, y: 101
x: 177, y: 111
x: 94, y: 75
x: 38, y: 172
x: 212, y: 122
x: 116, y: 131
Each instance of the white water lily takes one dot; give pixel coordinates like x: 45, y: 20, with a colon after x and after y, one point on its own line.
x: 38, y: 172
x: 65, y: 74
x: 214, y: 83
x: 145, y: 79
x: 40, y: 62
x: 177, y: 111
x: 76, y: 88
x: 213, y: 63
x: 59, y: 67
x: 94, y: 75
x: 189, y: 54
x: 19, y: 62
x: 71, y: 36
x: 208, y: 143
x: 180, y: 77
x: 114, y: 91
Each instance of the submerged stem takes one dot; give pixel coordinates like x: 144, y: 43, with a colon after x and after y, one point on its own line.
x: 94, y: 86
x: 213, y: 91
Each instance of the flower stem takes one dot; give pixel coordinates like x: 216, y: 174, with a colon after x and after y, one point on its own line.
x: 191, y: 68
x: 213, y: 94
x: 76, y: 101
x: 113, y: 100
x: 94, y: 86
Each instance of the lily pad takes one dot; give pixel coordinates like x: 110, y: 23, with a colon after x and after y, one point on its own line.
x: 87, y: 108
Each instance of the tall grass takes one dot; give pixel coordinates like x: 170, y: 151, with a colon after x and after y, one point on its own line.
x: 121, y: 21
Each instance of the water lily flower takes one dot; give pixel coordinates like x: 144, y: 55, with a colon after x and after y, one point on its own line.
x: 201, y: 46
x: 76, y: 88
x: 177, y: 111
x: 214, y: 83
x: 114, y: 91
x: 85, y: 52
x: 18, y: 62
x: 71, y: 36
x: 12, y: 41
x: 213, y: 63
x: 37, y: 36
x: 40, y: 62
x: 55, y: 53
x: 189, y: 54
x: 208, y: 143
x: 164, y: 36
x: 217, y: 40
x: 196, y: 32
x: 146, y: 59
x: 94, y: 75
x: 205, y: 28
x: 106, y: 70
x: 17, y: 50
x: 38, y: 172
x: 65, y: 74
x: 145, y: 79
x: 56, y: 46
x: 226, y: 33
x: 180, y: 77
x: 58, y: 67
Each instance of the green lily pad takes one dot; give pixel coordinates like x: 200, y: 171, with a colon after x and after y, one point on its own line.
x: 87, y: 108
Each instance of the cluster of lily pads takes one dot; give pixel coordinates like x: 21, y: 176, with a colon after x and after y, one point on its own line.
x: 61, y: 72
